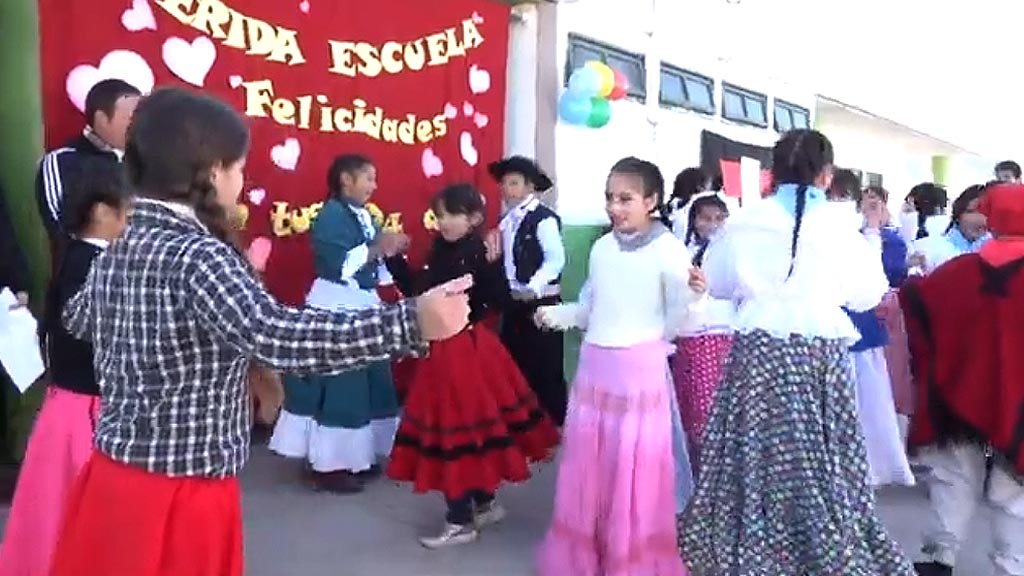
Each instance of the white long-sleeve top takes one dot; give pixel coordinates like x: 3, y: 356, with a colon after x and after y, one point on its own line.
x: 632, y: 296
x: 835, y: 266
x: 713, y: 315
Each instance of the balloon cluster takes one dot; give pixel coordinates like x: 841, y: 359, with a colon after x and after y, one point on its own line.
x: 591, y: 89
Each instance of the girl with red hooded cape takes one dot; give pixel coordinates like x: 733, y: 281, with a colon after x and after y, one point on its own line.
x: 965, y: 323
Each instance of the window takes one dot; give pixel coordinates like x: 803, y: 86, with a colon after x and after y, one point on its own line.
x: 740, y: 105
x: 872, y: 179
x: 687, y: 90
x: 583, y: 50
x: 790, y: 117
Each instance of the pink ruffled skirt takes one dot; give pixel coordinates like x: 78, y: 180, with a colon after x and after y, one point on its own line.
x: 60, y: 445
x: 615, y: 498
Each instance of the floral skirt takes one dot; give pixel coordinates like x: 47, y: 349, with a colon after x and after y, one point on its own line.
x: 784, y: 485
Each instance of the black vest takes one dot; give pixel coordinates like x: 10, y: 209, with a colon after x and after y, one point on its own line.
x: 527, y: 254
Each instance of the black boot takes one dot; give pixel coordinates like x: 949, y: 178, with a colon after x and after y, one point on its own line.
x: 933, y: 569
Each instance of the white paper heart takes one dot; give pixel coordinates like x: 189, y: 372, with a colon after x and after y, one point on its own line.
x: 190, y: 61
x: 479, y: 80
x: 257, y: 196
x: 304, y: 6
x: 121, y: 64
x: 450, y: 111
x: 259, y: 253
x: 481, y: 120
x: 468, y: 109
x: 468, y: 149
x: 431, y: 164
x: 477, y: 18
x: 138, y: 17
x: 286, y: 155
x: 234, y: 80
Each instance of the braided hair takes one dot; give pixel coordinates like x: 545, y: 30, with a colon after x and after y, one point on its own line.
x: 691, y: 227
x: 176, y: 139
x: 343, y: 164
x: 929, y: 199
x: 652, y: 181
x: 799, y: 157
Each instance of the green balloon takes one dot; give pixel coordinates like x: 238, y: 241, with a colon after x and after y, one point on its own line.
x: 600, y: 113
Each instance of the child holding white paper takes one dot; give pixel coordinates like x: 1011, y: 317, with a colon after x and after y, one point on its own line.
x: 95, y: 213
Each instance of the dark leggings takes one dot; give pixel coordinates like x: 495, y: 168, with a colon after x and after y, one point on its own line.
x: 461, y: 510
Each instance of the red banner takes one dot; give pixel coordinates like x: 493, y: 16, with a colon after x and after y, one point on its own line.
x: 419, y: 87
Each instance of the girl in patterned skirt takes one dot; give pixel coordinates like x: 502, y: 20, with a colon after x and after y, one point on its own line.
x: 784, y: 489
x: 699, y: 362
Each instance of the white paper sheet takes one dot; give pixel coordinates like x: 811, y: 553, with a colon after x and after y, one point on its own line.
x: 750, y: 180
x: 19, y: 343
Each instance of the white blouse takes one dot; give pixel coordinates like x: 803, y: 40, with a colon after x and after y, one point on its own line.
x: 631, y: 296
x: 835, y: 266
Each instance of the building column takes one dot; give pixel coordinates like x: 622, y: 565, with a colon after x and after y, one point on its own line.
x: 520, y: 92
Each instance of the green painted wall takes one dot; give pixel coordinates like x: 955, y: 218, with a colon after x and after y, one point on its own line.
x: 21, y: 145
x: 941, y: 169
x: 577, y: 240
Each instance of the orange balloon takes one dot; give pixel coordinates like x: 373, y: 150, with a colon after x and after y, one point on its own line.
x: 607, y: 77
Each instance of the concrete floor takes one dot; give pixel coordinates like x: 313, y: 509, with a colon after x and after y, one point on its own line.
x: 292, y: 531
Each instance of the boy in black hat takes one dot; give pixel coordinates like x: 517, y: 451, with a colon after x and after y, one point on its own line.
x: 533, y: 257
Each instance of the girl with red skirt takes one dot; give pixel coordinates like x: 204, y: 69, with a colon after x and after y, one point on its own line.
x: 94, y: 213
x: 176, y: 317
x: 471, y: 421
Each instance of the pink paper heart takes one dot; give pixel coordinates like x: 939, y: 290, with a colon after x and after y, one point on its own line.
x: 479, y: 80
x: 234, y: 80
x: 304, y: 6
x: 286, y: 155
x: 257, y: 195
x: 467, y: 109
x: 122, y: 64
x: 190, y: 61
x: 259, y: 253
x: 138, y: 17
x: 468, y: 149
x: 481, y: 120
x: 450, y: 111
x: 432, y: 165
x: 477, y: 18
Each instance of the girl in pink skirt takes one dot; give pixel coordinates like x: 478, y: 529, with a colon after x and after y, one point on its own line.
x: 94, y: 214
x: 699, y: 362
x: 618, y: 490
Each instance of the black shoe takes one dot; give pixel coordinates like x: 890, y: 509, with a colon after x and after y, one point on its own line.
x: 336, y: 482
x: 370, y: 473
x: 932, y: 569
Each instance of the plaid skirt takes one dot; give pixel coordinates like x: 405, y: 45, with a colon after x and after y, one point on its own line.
x: 784, y: 485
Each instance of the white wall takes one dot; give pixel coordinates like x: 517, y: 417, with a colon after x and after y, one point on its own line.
x: 668, y: 137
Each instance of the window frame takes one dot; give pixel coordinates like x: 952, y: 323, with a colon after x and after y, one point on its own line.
x: 745, y: 95
x: 637, y: 90
x: 790, y: 110
x: 683, y: 75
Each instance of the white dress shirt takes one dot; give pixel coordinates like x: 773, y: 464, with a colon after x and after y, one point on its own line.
x: 550, y: 239
x: 835, y: 266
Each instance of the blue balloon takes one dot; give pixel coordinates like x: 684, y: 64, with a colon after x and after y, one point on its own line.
x: 585, y: 82
x: 574, y: 109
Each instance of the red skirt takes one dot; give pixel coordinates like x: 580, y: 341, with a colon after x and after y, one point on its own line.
x: 124, y: 521
x: 471, y: 421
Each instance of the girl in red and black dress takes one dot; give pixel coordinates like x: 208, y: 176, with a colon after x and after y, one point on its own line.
x: 471, y: 421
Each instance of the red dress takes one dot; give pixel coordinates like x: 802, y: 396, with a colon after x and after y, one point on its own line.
x: 965, y: 324
x: 471, y: 421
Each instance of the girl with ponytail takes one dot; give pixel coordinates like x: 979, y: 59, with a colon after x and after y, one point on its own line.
x: 176, y: 317
x: 783, y: 461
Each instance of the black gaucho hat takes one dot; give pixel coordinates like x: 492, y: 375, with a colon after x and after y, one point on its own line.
x: 521, y: 165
